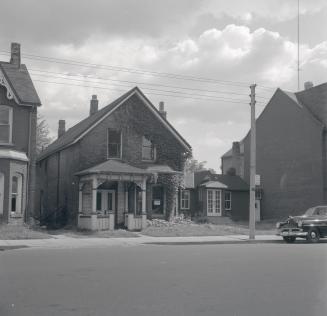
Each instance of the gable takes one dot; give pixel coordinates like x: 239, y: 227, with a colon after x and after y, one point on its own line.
x: 19, y: 84
x: 83, y: 128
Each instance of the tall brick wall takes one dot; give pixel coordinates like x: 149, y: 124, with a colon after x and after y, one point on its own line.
x: 289, y: 158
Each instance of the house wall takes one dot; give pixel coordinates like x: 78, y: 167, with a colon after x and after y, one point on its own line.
x: 21, y: 136
x: 56, y: 172
x: 289, y: 158
x: 240, y: 205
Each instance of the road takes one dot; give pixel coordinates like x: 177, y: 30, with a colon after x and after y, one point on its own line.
x: 226, y: 280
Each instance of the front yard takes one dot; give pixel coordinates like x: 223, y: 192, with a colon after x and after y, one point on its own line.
x: 185, y: 228
x: 179, y: 227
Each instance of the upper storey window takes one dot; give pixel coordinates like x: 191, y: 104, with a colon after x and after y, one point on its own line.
x: 5, y: 124
x: 114, y: 143
x: 148, y: 149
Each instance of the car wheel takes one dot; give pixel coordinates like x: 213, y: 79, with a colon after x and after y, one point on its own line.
x: 289, y: 239
x: 313, y: 235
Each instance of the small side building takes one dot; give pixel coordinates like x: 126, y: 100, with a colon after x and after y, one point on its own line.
x: 208, y: 196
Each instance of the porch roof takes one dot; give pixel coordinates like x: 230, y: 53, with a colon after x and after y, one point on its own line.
x: 162, y: 169
x: 114, y: 167
x: 214, y: 184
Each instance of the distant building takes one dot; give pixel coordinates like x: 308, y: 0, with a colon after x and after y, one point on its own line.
x: 291, y: 152
x: 115, y: 168
x: 208, y: 196
x: 18, y: 115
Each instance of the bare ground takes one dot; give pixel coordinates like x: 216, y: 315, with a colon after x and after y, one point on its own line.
x: 157, y: 228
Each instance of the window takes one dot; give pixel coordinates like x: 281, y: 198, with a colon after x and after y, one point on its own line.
x: 214, y: 202
x: 185, y: 200
x: 16, y: 193
x: 5, y: 124
x: 228, y: 200
x: 99, y: 201
x: 148, y: 149
x: 114, y: 143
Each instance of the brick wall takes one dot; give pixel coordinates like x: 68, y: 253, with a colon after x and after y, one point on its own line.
x: 289, y: 158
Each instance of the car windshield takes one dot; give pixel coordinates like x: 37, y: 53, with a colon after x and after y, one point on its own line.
x: 310, y: 211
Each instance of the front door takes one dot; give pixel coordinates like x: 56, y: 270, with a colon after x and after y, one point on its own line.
x: 157, y: 200
x: 106, y: 201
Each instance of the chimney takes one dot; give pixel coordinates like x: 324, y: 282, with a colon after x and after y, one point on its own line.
x: 94, y: 104
x: 15, y: 54
x: 162, y: 111
x: 308, y: 85
x: 61, y: 128
x: 236, y: 158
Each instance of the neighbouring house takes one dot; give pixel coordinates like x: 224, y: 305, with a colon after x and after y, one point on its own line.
x: 208, y: 196
x: 291, y: 152
x: 18, y: 116
x: 117, y: 167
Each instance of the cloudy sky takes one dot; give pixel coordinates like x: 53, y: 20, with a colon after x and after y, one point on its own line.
x: 198, y: 56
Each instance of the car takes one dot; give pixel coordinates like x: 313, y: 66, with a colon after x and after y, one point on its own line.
x: 312, y: 225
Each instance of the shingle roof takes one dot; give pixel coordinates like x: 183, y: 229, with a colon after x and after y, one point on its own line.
x: 233, y: 183
x: 113, y: 166
x: 71, y: 134
x: 77, y: 130
x: 20, y: 83
x: 315, y: 100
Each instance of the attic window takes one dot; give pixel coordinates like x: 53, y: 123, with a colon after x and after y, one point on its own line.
x: 148, y: 149
x: 114, y: 143
x: 5, y: 124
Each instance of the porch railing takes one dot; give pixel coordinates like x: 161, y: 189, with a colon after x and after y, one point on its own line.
x: 95, y: 221
x: 135, y: 222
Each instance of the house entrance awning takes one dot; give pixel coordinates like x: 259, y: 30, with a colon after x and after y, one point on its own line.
x: 114, y: 167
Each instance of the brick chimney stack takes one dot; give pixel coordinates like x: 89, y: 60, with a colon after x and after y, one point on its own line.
x: 162, y: 110
x: 61, y: 128
x: 15, y: 54
x: 308, y: 85
x: 94, y: 104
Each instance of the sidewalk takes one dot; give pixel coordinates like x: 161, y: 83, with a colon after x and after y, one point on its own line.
x: 64, y: 242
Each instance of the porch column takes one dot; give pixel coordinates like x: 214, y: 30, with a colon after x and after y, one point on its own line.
x: 80, y: 198
x: 94, y: 194
x: 144, y: 203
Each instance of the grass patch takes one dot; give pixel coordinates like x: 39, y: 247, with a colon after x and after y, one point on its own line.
x: 16, y: 232
x: 74, y: 233
x: 188, y: 229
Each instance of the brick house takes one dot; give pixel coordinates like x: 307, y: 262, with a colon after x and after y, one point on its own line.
x: 18, y: 115
x: 114, y: 168
x: 209, y: 196
x: 291, y: 152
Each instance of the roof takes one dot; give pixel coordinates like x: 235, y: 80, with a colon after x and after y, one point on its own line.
x: 76, y: 132
x: 161, y: 169
x: 208, y: 179
x: 20, y: 83
x: 113, y: 166
x: 312, y: 100
x: 214, y: 184
x: 315, y: 100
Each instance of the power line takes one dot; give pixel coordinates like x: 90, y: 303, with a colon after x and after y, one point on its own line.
x: 138, y: 83
x: 151, y: 89
x: 151, y: 93
x: 133, y: 70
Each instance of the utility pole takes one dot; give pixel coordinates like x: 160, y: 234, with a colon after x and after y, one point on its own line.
x: 252, y: 165
x: 298, y: 45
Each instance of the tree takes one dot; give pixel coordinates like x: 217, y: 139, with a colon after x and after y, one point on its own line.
x: 43, y: 138
x: 193, y: 165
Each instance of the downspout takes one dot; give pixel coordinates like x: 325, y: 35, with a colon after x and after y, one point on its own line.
x: 27, y: 205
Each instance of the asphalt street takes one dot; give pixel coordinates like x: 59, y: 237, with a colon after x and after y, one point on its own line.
x: 222, y: 279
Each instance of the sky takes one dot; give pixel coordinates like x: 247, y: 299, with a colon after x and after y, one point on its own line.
x: 198, y: 56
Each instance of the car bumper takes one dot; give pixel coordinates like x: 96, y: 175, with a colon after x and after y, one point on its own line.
x: 291, y: 232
